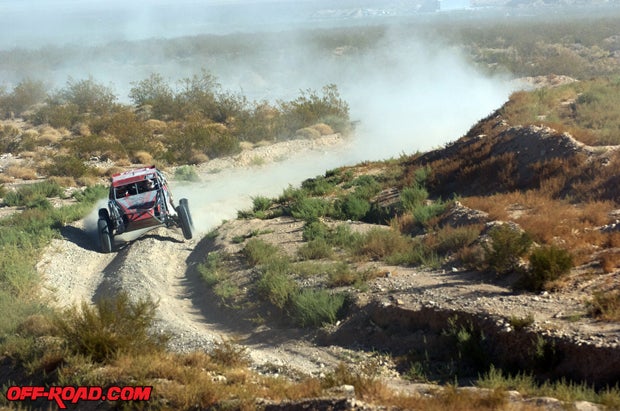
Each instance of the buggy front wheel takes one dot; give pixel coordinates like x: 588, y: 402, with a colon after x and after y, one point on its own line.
x: 185, y: 219
x: 105, y: 235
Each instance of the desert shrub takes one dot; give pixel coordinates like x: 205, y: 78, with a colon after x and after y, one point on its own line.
x: 318, y: 186
x: 309, y: 208
x: 258, y: 252
x: 212, y: 270
x: 341, y: 274
x: 125, y: 127
x: 561, y: 389
x: 379, y: 243
x: 352, y: 207
x: 452, y: 239
x: 605, y: 305
x: 112, y: 327
x: 26, y: 94
x: 229, y: 354
x: 91, y: 194
x: 315, y: 249
x: 313, y: 308
x: 547, y: 264
x: 275, y: 284
x: 323, y: 129
x: 311, y: 108
x: 67, y: 166
x: 307, y: 133
x: 142, y: 157
x: 412, y: 197
x: 57, y: 115
x: 23, y: 173
x: 366, y: 186
x: 314, y: 230
x: 186, y: 173
x: 156, y: 93
x: 94, y: 145
x: 260, y: 204
x: 213, y: 140
x: 88, y: 96
x: 31, y: 194
x: 418, y: 253
x: 508, y: 245
x: 470, y: 343
x: 424, y: 213
x: 9, y: 139
x: 342, y: 236
x: 520, y: 323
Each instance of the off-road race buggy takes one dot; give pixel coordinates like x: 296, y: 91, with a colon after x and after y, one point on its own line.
x: 140, y: 199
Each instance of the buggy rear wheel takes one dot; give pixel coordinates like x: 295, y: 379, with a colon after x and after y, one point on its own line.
x: 185, y: 219
x: 105, y: 235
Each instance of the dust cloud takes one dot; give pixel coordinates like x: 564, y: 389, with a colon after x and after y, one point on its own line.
x: 405, y: 94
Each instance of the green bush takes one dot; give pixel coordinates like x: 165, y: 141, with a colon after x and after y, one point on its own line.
x: 366, y: 187
x: 57, y: 115
x: 341, y: 274
x: 547, y: 263
x: 318, y: 186
x: 309, y: 208
x: 261, y: 204
x: 451, y: 239
x: 112, y: 327
x: 425, y: 212
x: 508, y: 245
x: 91, y: 194
x: 311, y: 108
x: 378, y: 244
x: 314, y: 308
x: 156, y: 93
x: 352, y: 207
x: 26, y: 94
x: 67, y: 166
x: 605, y: 305
x: 314, y: 230
x: 342, y: 236
x: 418, y: 253
x: 212, y: 270
x: 186, y: 173
x: 87, y: 95
x: 275, y: 284
x: 413, y: 197
x: 33, y: 195
x: 315, y: 249
x: 259, y: 252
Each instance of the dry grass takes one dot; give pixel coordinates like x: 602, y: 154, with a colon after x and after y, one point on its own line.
x: 606, y: 305
x: 21, y: 172
x: 63, y: 181
x: 549, y: 220
x: 323, y: 129
x: 49, y: 135
x: 308, y: 132
x: 198, y: 158
x: 142, y: 157
x: 610, y: 260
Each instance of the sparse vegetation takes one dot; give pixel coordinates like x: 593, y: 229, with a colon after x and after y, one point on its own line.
x: 186, y: 173
x: 547, y: 264
x: 113, y: 327
x: 605, y: 305
x: 508, y: 245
